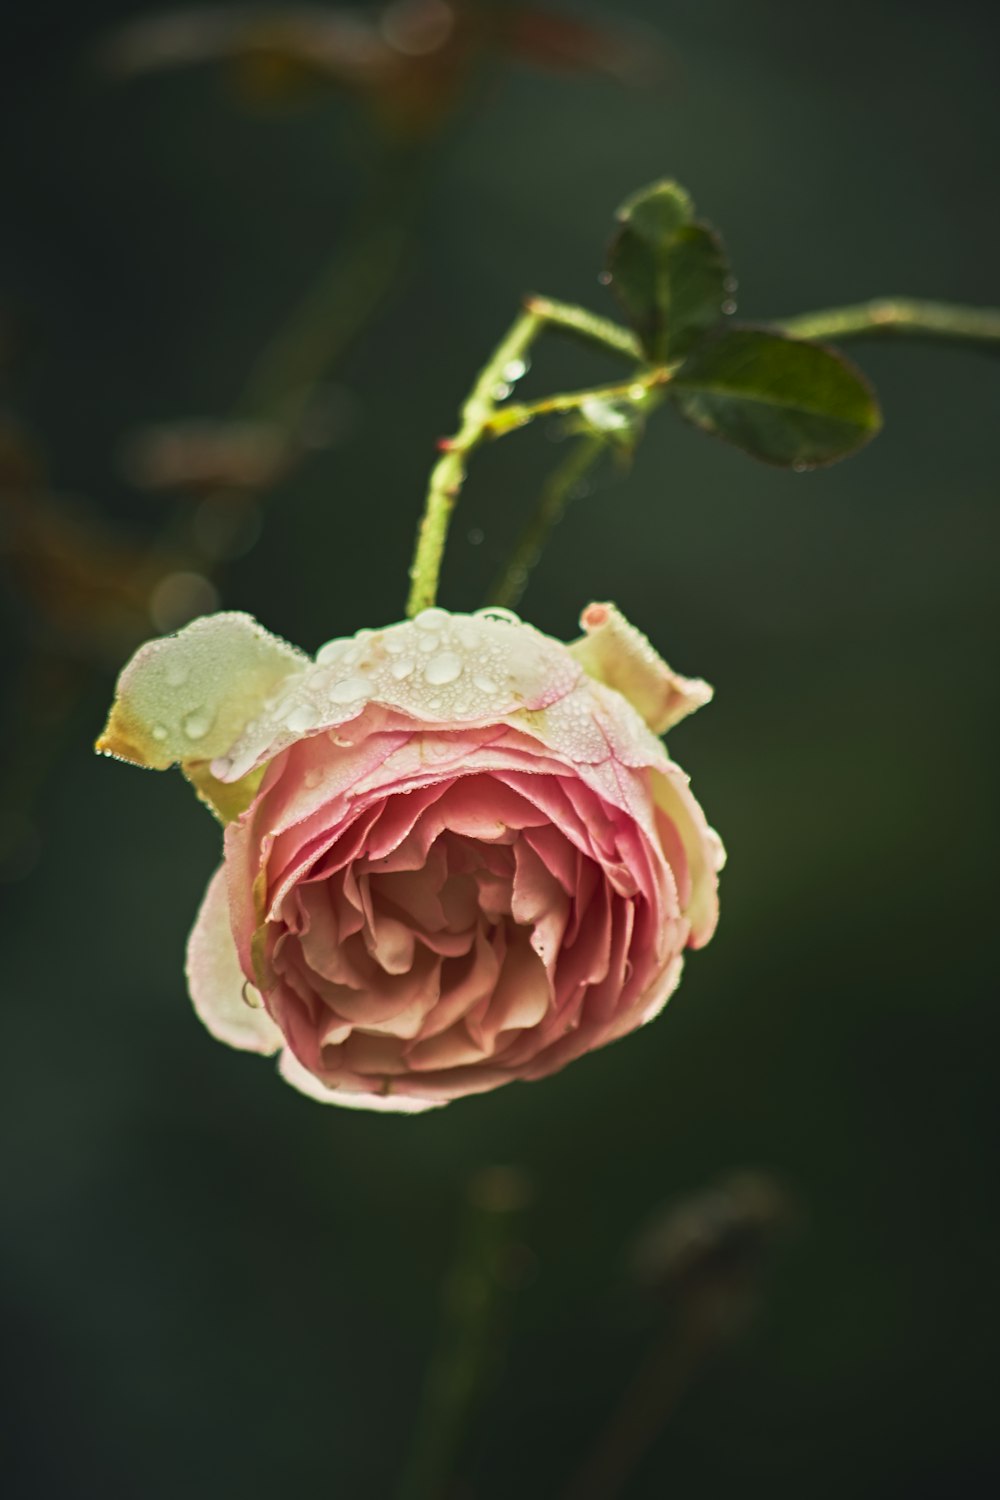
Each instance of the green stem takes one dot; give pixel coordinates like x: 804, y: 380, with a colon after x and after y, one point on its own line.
x: 556, y: 494
x: 891, y: 316
x: 480, y: 418
x: 448, y: 473
x: 587, y: 325
x: 635, y: 390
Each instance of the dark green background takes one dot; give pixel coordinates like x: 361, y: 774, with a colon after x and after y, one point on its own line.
x: 213, y: 1287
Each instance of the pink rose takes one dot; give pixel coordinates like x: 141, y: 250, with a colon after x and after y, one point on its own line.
x: 456, y: 852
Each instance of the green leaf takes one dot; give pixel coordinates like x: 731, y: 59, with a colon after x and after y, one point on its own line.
x: 669, y: 273
x: 782, y: 400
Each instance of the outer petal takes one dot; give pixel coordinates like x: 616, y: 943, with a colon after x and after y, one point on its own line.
x: 307, y: 1083
x: 615, y: 653
x: 188, y: 697
x: 702, y: 846
x: 439, y: 669
x: 216, y: 981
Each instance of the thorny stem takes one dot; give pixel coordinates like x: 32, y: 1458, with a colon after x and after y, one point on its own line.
x: 448, y: 473
x: 635, y: 390
x: 482, y: 418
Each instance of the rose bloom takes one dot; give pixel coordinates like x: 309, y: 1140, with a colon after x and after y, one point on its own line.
x: 456, y: 851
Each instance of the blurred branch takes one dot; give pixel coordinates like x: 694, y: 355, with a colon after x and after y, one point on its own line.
x: 906, y: 317
x: 349, y: 291
x: 704, y: 1258
x: 557, y: 492
x: 476, y: 1291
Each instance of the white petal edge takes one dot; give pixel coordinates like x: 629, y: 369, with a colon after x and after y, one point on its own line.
x: 217, y: 983
x: 307, y: 1083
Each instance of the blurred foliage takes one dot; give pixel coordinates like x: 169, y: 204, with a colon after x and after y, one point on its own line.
x: 210, y: 1285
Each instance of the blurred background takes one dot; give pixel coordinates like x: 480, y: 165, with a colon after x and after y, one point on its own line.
x: 251, y: 260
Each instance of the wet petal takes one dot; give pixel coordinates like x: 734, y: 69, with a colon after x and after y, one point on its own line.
x: 614, y: 652
x: 189, y: 697
x: 217, y: 983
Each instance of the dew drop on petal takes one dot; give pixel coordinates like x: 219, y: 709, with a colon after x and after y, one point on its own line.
x: 484, y: 684
x: 446, y: 667
x: 197, y: 724
x: 312, y: 778
x: 497, y: 612
x: 428, y: 642
x: 159, y: 732
x: 432, y: 618
x: 251, y: 996
x: 350, y: 689
x: 402, y: 667
x: 331, y: 652
x: 300, y: 718
x: 176, y: 674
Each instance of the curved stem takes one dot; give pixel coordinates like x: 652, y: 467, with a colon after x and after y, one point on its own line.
x: 587, y: 325
x: 480, y: 418
x: 557, y: 492
x: 635, y: 390
x: 448, y: 473
x: 905, y: 316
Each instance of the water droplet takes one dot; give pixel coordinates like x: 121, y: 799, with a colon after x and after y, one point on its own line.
x: 729, y: 306
x: 476, y: 536
x: 197, y: 724
x: 605, y: 278
x: 484, y: 684
x: 159, y: 733
x: 501, y: 390
x: 432, y: 618
x: 350, y: 689
x: 395, y: 641
x: 515, y: 369
x: 800, y: 468
x: 300, y: 718
x: 427, y: 642
x: 402, y: 667
x: 312, y: 778
x: 442, y: 669
x: 251, y: 996
x: 497, y: 612
x: 176, y: 674
x: 637, y: 393
x: 434, y: 703
x: 331, y: 652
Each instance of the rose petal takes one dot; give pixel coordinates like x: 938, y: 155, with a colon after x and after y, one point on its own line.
x: 216, y: 982
x: 188, y: 697
x: 307, y: 1083
x: 614, y: 652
